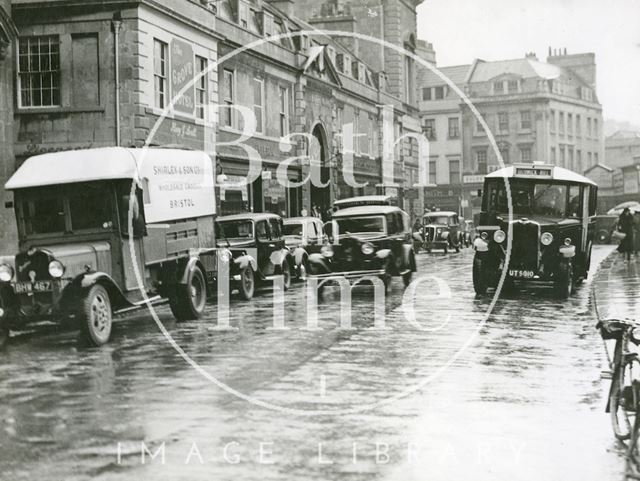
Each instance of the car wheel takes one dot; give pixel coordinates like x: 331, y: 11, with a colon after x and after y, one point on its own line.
x: 96, y: 318
x: 602, y: 236
x: 286, y: 274
x: 479, y: 276
x: 247, y: 284
x: 564, y: 281
x: 189, y: 301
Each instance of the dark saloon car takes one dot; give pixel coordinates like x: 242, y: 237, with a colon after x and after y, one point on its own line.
x: 550, y: 233
x: 303, y: 236
x: 258, y: 250
x: 605, y: 225
x: 441, y: 230
x: 372, y: 240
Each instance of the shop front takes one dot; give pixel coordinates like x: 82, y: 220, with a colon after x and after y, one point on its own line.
x: 242, y: 189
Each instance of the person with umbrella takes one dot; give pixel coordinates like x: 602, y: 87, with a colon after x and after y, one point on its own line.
x: 625, y: 226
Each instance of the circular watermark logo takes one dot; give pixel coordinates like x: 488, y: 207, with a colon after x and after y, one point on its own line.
x: 255, y: 169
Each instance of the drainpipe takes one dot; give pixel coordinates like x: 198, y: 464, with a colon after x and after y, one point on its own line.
x: 117, y: 24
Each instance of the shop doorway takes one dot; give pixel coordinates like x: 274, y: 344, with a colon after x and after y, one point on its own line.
x: 320, y: 196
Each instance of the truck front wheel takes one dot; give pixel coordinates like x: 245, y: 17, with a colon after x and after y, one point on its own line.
x: 188, y: 301
x: 96, y: 318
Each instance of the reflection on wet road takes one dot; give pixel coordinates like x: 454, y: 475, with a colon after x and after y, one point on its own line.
x: 523, y: 400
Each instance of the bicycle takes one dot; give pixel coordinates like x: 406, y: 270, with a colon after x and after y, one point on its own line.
x: 623, y: 400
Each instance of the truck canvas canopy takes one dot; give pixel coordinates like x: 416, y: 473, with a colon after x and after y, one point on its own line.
x: 176, y: 184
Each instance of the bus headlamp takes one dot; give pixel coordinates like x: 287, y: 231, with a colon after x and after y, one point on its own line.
x: 499, y: 236
x: 546, y: 238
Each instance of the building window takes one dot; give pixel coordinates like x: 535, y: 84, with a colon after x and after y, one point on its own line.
x: 498, y: 87
x: 570, y: 164
x: 589, y: 131
x: 525, y: 119
x: 370, y: 136
x: 580, y: 167
x: 589, y: 159
x: 513, y: 86
x: 160, y: 73
x: 439, y: 93
x: 562, y: 157
x: 553, y: 155
x: 284, y: 111
x: 356, y: 131
x: 561, y: 122
x: 525, y: 154
x: 227, y: 98
x: 578, y: 126
x: 258, y: 104
x: 504, y: 153
x: 595, y: 128
x: 201, y: 87
x: 432, y: 170
x: 426, y: 93
x: 595, y: 158
x: 552, y: 120
x: 481, y: 161
x: 454, y: 171
x: 570, y: 124
x: 39, y: 71
x: 503, y: 121
x: 479, y: 127
x: 430, y: 129
x: 454, y: 128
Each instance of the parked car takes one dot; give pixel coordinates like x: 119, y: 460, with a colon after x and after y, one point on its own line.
x: 303, y: 236
x: 468, y: 233
x: 258, y: 250
x: 552, y: 227
x: 441, y: 230
x: 605, y: 225
x: 99, y: 232
x: 366, y: 240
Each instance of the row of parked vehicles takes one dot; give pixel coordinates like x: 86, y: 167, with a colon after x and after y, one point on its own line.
x: 110, y: 229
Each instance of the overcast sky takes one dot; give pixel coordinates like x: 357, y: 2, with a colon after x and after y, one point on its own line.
x: 462, y: 30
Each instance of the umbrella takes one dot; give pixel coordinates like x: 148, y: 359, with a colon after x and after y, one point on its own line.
x: 632, y: 205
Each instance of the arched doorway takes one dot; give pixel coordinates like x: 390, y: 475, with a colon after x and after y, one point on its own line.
x: 318, y: 153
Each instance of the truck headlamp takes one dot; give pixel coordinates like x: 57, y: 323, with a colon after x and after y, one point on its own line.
x: 6, y: 272
x: 56, y: 269
x: 546, y: 238
x: 499, y: 236
x: 368, y: 249
x: 327, y: 250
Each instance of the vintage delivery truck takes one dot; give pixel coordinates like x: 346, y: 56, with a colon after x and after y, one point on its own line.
x: 101, y: 229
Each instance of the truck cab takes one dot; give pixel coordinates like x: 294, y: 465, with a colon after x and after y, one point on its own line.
x: 101, y: 230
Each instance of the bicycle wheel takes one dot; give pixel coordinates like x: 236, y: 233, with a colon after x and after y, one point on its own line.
x: 621, y: 401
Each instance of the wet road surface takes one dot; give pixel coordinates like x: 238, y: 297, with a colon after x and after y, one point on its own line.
x: 454, y: 395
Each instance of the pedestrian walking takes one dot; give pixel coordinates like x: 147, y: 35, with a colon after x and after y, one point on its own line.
x: 625, y: 226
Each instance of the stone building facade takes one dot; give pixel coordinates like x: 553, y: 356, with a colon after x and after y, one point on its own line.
x: 8, y: 37
x: 537, y: 111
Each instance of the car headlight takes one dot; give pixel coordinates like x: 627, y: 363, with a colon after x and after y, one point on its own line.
x: 499, y: 236
x: 56, y: 269
x: 484, y: 235
x: 368, y: 249
x: 438, y: 231
x: 546, y: 238
x: 225, y: 255
x: 327, y: 250
x: 6, y: 272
